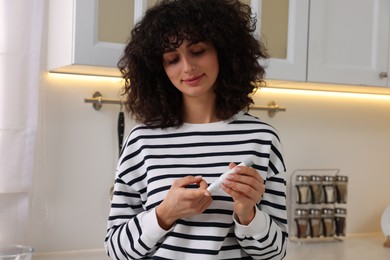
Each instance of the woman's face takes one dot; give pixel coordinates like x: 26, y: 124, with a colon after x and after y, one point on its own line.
x: 192, y: 68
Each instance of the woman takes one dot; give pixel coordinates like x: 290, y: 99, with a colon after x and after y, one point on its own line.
x: 189, y: 69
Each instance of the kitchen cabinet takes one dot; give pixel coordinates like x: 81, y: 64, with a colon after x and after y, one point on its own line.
x: 282, y: 26
x: 88, y: 36
x: 349, y: 42
x: 82, y: 39
x: 332, y: 41
x: 324, y: 41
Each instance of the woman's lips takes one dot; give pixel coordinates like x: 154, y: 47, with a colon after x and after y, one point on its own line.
x: 193, y: 81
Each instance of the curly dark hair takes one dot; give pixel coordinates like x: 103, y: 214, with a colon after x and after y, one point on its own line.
x: 228, y: 24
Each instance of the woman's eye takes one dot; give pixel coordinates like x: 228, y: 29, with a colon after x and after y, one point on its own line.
x: 198, y: 52
x: 173, y: 61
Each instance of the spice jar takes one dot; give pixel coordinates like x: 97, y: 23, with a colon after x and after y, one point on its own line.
x: 329, y: 189
x: 316, y: 189
x: 302, y: 186
x: 340, y: 221
x: 301, y: 222
x: 327, y: 222
x: 341, y: 188
x: 315, y: 222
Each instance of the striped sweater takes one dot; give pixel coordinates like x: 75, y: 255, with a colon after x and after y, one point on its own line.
x: 153, y: 158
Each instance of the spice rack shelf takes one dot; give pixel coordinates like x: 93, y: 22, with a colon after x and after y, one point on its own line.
x: 317, y: 208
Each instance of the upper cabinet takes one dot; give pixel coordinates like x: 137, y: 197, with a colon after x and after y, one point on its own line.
x: 327, y: 41
x: 88, y: 36
x: 349, y: 42
x: 282, y: 27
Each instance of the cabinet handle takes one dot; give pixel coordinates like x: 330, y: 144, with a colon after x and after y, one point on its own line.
x: 383, y: 75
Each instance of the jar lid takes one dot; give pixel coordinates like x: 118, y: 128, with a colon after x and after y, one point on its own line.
x: 315, y: 212
x: 329, y: 178
x: 341, y: 211
x: 316, y: 178
x: 302, y: 178
x: 327, y: 211
x: 341, y: 178
x: 301, y: 212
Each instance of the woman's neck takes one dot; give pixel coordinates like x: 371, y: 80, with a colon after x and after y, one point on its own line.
x: 198, y: 111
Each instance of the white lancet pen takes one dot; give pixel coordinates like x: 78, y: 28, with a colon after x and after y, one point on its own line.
x: 216, y: 184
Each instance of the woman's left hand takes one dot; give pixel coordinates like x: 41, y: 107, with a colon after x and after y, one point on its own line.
x: 246, y: 187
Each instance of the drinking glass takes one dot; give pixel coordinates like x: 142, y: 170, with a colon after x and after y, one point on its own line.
x: 16, y: 252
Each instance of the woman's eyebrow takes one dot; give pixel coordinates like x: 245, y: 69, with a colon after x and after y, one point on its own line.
x: 172, y: 49
x: 169, y: 50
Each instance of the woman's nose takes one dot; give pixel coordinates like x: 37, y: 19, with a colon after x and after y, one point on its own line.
x: 189, y: 65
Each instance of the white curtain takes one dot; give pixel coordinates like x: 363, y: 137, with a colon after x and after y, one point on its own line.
x: 21, y: 24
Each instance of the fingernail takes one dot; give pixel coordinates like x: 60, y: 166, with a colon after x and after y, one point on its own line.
x: 227, y: 182
x: 206, y: 194
x: 198, y: 177
x: 237, y: 169
x: 230, y: 177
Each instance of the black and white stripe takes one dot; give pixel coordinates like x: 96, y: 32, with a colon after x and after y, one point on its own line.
x: 152, y: 159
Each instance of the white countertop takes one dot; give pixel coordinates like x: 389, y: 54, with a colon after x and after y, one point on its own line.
x: 98, y: 254
x: 350, y: 248
x: 354, y: 247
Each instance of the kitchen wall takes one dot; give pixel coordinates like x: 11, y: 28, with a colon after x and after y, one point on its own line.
x: 77, y: 153
x: 346, y: 132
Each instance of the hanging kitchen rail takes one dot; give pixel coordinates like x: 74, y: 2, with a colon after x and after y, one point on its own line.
x: 272, y: 108
x: 97, y: 101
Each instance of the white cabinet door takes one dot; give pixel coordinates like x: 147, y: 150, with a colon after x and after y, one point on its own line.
x: 349, y: 41
x: 290, y: 65
x: 73, y: 35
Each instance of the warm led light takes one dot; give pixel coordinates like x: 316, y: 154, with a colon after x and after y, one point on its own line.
x: 65, y: 76
x: 268, y: 89
x: 324, y: 93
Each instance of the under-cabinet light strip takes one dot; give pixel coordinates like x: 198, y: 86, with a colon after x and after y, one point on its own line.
x: 268, y: 89
x: 324, y: 93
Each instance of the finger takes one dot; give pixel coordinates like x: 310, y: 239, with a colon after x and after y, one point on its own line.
x: 206, y: 202
x: 203, y: 184
x: 243, y: 189
x: 232, y: 165
x: 185, y: 181
x: 196, y: 194
x: 234, y: 194
x: 249, y: 171
x: 201, y: 202
x: 241, y: 202
x: 247, y: 180
x: 249, y: 177
x: 245, y: 186
x: 200, y: 206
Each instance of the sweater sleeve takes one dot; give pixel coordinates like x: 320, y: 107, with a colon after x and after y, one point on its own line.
x: 132, y: 232
x: 266, y: 236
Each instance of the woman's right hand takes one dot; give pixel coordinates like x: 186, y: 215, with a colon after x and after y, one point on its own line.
x: 183, y: 202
